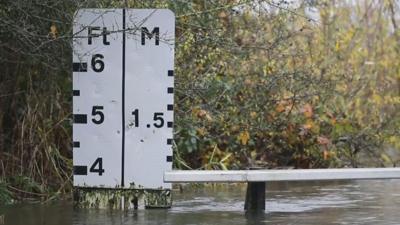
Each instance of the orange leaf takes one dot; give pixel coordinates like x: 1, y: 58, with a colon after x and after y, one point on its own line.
x: 203, y: 114
x: 280, y: 107
x: 326, y: 154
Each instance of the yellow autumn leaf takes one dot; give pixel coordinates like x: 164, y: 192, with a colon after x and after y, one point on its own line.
x: 226, y: 157
x: 308, y: 125
x: 201, y: 131
x: 253, y: 154
x: 386, y: 158
x: 377, y: 98
x: 337, y: 46
x: 392, y: 139
x: 53, y: 31
x: 308, y: 110
x: 267, y: 69
x: 244, y: 137
x: 195, y: 111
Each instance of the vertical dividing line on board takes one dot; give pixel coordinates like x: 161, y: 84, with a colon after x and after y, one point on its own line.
x: 123, y: 99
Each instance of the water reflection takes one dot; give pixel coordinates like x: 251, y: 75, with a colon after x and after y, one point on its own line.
x: 59, y: 213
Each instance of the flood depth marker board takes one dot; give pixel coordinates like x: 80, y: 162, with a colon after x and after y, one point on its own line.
x: 123, y: 67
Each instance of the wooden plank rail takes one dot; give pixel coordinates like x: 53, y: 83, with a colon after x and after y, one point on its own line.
x: 255, y: 196
x: 235, y: 176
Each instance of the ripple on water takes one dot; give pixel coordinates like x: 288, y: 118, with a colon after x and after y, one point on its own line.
x: 277, y: 203
x: 308, y: 203
x: 207, y: 204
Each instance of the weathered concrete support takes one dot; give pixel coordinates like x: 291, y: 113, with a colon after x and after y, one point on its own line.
x: 155, y: 199
x: 123, y: 199
x: 255, y: 196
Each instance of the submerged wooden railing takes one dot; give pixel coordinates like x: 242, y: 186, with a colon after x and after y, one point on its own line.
x: 255, y: 196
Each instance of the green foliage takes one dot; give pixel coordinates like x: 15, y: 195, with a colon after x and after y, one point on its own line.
x: 5, y: 195
x: 274, y: 88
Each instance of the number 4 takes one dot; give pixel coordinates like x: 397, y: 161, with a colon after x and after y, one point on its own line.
x: 99, y: 170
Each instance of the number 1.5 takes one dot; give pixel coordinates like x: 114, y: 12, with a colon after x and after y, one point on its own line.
x: 157, y: 118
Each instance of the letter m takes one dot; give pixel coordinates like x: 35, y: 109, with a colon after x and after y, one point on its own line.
x: 155, y: 32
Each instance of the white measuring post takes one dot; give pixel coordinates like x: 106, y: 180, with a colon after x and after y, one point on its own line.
x: 123, y: 84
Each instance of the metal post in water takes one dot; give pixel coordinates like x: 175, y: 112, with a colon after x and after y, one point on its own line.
x: 255, y: 196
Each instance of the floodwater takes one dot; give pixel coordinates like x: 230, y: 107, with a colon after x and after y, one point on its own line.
x: 359, y: 202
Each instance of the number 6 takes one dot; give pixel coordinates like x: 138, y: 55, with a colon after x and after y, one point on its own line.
x: 97, y: 60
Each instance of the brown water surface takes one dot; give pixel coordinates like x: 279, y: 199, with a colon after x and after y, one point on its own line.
x: 360, y: 202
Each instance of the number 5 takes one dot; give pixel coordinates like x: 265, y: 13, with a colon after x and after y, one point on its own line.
x: 96, y: 111
x: 158, y: 116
